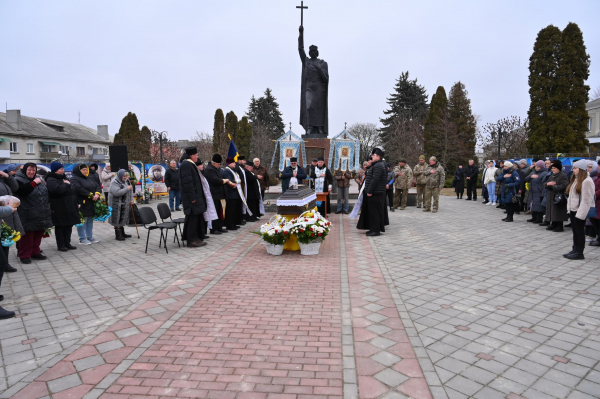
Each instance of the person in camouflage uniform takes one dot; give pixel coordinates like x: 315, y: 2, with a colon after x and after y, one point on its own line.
x: 419, y: 174
x: 435, y: 180
x: 403, y: 176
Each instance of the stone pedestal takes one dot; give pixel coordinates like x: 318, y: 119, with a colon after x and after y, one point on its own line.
x: 316, y: 146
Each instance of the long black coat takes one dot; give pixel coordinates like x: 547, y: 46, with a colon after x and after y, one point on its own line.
x: 252, y: 189
x: 84, y: 186
x: 459, y: 180
x: 63, y: 200
x: 9, y: 185
x: 556, y: 213
x: 537, y: 190
x: 34, y: 210
x: 215, y: 181
x: 191, y: 188
x: 94, y: 174
x: 376, y: 178
x: 230, y: 192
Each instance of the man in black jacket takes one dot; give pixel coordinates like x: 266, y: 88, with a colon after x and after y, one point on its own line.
x: 192, y: 199
x: 217, y: 183
x: 374, y: 216
x: 172, y: 183
x: 471, y: 173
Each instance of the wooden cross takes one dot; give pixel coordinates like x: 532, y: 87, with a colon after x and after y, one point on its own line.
x: 301, y: 7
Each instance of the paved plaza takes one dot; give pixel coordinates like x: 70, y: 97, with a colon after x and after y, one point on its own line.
x: 450, y: 305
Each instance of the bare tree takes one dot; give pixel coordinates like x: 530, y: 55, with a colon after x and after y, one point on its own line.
x: 262, y: 147
x: 514, y: 134
x: 404, y: 140
x: 596, y: 94
x: 369, y: 137
x: 203, y: 142
x: 169, y: 149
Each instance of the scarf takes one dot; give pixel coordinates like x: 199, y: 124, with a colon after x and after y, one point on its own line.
x: 239, y: 189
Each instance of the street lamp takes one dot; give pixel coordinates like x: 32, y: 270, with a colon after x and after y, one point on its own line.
x: 499, y: 134
x: 160, y: 139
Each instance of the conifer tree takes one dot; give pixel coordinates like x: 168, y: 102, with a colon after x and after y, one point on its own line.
x: 231, y: 124
x: 220, y: 140
x: 433, y: 122
x: 558, y: 69
x: 459, y: 109
x: 129, y: 130
x: 141, y: 147
x: 244, y: 137
x: 409, y: 101
x: 264, y: 112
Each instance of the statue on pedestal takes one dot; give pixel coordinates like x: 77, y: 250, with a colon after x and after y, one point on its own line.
x: 314, y: 91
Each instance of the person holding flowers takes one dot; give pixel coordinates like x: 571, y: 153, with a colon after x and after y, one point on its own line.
x: 34, y: 212
x: 8, y: 185
x: 5, y: 213
x: 88, y: 192
x: 120, y: 199
x: 63, y: 205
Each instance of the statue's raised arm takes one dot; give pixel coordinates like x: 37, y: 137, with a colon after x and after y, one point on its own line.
x: 301, y: 44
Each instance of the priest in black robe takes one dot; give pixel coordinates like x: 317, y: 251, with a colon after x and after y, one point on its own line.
x: 253, y: 194
x: 217, y: 184
x: 323, y: 179
x: 374, y: 215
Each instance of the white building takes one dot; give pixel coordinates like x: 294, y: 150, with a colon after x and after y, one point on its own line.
x: 593, y: 109
x: 27, y: 139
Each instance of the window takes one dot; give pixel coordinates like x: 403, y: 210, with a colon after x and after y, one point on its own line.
x: 80, y: 151
x: 14, y: 147
x: 590, y: 124
x: 47, y: 148
x: 64, y: 149
x: 98, y: 151
x: 30, y: 148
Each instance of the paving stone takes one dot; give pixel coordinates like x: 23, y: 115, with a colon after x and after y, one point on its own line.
x: 386, y: 358
x: 391, y: 377
x: 382, y: 343
x: 64, y: 383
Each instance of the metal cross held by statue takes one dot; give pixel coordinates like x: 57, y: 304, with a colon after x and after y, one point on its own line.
x: 301, y: 7
x: 345, y: 123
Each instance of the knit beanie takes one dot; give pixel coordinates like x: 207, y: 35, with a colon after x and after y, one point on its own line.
x: 582, y: 164
x: 421, y: 156
x: 508, y: 164
x: 54, y: 166
x: 540, y: 164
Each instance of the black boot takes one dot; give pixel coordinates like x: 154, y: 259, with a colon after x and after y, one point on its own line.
x: 569, y: 253
x: 119, y: 235
x: 6, y: 314
x: 577, y: 255
x: 545, y: 224
x: 123, y: 233
x: 9, y: 269
x: 558, y: 227
x: 508, y: 218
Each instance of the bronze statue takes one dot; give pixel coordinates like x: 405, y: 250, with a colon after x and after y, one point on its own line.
x: 314, y: 92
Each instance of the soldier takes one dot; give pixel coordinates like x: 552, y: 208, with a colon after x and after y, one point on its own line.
x: 434, y: 183
x: 402, y: 181
x: 419, y: 174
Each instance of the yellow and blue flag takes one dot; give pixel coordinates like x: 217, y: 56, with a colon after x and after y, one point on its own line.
x: 232, y: 152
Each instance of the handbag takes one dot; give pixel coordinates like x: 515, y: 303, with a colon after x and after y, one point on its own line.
x: 560, y: 199
x: 592, y: 213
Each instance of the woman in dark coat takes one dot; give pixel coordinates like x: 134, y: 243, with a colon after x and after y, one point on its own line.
x: 557, y: 184
x: 8, y: 185
x: 95, y: 174
x: 34, y: 212
x: 63, y: 205
x: 120, y: 199
x: 537, y: 191
x: 511, y: 181
x: 87, y: 191
x: 459, y: 181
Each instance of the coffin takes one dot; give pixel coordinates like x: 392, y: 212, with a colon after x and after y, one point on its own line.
x: 296, y: 200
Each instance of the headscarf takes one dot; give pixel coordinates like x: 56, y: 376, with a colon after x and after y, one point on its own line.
x: 594, y: 171
x: 120, y: 174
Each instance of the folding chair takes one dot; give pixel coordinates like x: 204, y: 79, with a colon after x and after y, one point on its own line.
x: 148, y: 217
x: 165, y: 214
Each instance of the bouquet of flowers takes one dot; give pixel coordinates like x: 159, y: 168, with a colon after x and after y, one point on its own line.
x: 101, y: 211
x: 8, y: 236
x: 81, y: 220
x: 309, y: 227
x: 148, y: 192
x: 275, y: 232
x: 47, y: 233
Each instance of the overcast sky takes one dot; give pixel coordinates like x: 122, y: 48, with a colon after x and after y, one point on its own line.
x: 174, y: 63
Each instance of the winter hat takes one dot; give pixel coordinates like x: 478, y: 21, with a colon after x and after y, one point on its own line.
x: 11, y: 167
x: 523, y: 161
x: 377, y: 151
x: 433, y: 159
x: 558, y: 164
x: 217, y: 158
x: 421, y: 156
x: 508, y: 164
x: 582, y: 164
x: 229, y: 160
x: 594, y: 171
x: 54, y: 166
x: 540, y: 164
x: 191, y: 150
x: 402, y: 160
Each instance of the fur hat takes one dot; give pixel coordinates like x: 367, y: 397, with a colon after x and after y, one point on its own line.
x: 217, y: 158
x: 241, y: 158
x: 293, y: 159
x: 191, y: 150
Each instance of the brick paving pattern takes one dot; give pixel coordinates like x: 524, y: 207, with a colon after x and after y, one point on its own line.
x: 451, y: 305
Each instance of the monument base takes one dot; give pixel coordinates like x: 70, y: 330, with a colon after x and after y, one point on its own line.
x: 316, y: 146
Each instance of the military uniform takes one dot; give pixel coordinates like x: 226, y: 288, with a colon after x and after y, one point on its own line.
x: 433, y: 184
x: 419, y: 174
x: 402, y: 183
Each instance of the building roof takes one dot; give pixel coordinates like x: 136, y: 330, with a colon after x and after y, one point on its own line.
x: 39, y: 128
x: 593, y: 104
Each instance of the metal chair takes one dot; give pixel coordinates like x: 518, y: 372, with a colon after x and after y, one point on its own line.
x: 148, y: 217
x: 165, y: 214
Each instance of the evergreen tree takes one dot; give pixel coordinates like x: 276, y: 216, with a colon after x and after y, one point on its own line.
x: 141, y: 147
x: 409, y: 101
x: 231, y: 124
x: 459, y: 109
x: 220, y: 140
x: 264, y: 113
x: 244, y: 137
x: 433, y: 122
x: 129, y: 130
x: 558, y: 69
